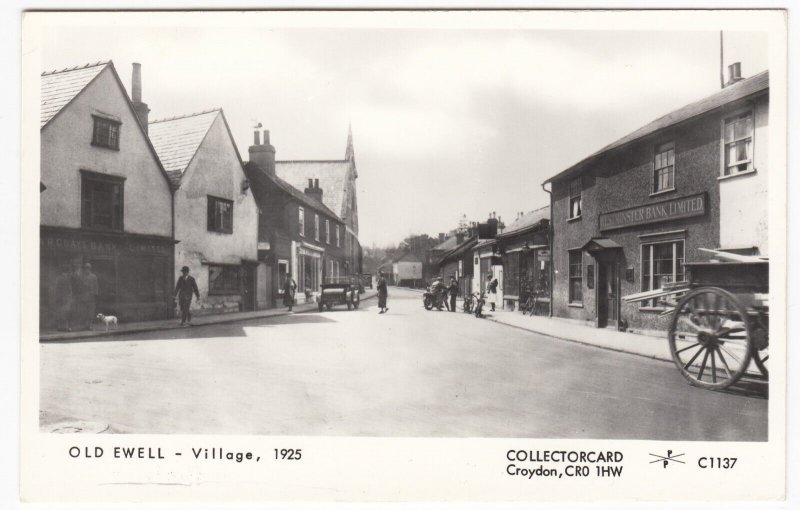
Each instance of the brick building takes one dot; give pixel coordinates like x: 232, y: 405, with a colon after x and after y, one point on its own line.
x: 525, y: 250
x: 627, y: 218
x: 297, y: 233
x: 337, y: 180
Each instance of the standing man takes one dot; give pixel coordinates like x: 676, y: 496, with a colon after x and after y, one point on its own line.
x: 452, y: 289
x: 89, y: 291
x: 63, y: 298
x: 491, y: 289
x: 289, y: 288
x: 383, y: 293
x: 184, y: 289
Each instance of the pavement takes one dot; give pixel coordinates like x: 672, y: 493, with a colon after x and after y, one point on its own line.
x: 99, y: 331
x: 406, y: 373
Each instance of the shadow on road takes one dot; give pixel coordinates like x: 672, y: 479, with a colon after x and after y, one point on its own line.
x: 209, y: 330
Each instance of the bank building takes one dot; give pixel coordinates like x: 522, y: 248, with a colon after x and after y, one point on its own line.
x: 627, y: 218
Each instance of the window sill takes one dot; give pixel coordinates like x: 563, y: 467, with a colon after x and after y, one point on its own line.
x: 731, y: 176
x: 652, y: 309
x: 662, y: 192
x: 575, y: 218
x: 101, y: 146
x: 575, y: 305
x: 228, y: 232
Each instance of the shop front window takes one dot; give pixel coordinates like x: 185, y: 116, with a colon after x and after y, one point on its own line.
x: 224, y: 279
x: 662, y: 263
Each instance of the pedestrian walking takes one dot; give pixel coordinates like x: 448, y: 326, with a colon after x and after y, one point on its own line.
x: 88, y: 295
x: 63, y: 298
x: 289, y: 289
x: 383, y: 293
x: 452, y: 289
x: 184, y: 289
x: 491, y: 290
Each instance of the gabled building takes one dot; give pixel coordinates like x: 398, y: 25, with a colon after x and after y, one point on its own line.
x: 458, y: 263
x: 105, y: 197
x: 298, y: 234
x: 216, y: 216
x: 407, y: 269
x: 627, y: 218
x: 337, y: 180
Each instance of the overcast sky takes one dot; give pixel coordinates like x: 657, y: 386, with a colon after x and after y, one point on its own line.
x: 445, y: 122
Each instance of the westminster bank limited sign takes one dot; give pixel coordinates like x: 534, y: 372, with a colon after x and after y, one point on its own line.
x: 684, y: 207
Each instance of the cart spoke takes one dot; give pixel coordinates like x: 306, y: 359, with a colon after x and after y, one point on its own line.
x: 713, y: 366
x: 689, y: 363
x: 724, y: 363
x: 687, y: 348
x: 703, y: 365
x: 729, y: 353
x: 685, y: 321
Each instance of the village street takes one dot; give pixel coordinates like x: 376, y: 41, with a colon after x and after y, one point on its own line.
x: 410, y: 372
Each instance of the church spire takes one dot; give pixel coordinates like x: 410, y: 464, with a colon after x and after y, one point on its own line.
x: 349, y: 154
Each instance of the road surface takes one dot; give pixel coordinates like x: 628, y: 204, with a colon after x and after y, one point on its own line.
x: 409, y: 372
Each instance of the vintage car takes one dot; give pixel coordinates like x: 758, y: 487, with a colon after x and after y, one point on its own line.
x: 338, y: 293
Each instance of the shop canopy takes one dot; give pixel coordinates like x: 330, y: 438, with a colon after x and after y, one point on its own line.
x: 596, y: 244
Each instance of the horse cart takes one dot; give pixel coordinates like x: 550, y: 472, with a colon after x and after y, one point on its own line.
x: 719, y: 320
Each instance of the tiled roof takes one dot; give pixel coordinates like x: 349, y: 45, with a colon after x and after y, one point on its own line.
x: 60, y: 87
x: 734, y: 92
x: 459, y: 250
x: 407, y: 257
x: 332, y: 177
x: 448, y: 244
x: 526, y: 221
x: 259, y: 179
x: 177, y: 139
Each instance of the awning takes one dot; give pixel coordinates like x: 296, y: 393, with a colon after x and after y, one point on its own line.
x: 596, y: 244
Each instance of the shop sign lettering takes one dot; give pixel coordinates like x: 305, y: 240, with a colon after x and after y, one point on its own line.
x: 678, y: 208
x: 54, y: 243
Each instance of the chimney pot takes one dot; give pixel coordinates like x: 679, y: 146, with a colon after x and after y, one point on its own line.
x: 263, y: 155
x: 266, y: 137
x: 316, y: 183
x: 256, y: 139
x: 136, y: 83
x: 734, y: 73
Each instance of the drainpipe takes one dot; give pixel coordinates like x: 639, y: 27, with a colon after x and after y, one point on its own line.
x: 550, y: 244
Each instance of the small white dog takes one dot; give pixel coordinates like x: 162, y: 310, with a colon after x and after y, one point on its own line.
x: 108, y: 320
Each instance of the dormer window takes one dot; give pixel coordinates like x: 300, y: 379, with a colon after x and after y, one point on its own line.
x: 105, y: 132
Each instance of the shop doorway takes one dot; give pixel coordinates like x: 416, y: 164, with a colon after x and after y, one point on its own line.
x: 248, y: 287
x: 607, y: 292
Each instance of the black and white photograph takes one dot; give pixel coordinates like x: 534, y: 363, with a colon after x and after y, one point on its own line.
x: 408, y: 226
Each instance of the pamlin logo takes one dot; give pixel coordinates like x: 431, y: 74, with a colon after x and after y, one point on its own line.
x: 666, y: 460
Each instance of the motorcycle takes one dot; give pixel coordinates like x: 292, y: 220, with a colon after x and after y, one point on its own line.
x: 433, y: 298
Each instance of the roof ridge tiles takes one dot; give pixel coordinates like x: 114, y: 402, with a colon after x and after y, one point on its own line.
x: 75, y: 68
x: 311, y: 161
x: 186, y: 116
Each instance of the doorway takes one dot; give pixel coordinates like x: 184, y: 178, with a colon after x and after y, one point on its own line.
x: 607, y: 292
x: 248, y: 287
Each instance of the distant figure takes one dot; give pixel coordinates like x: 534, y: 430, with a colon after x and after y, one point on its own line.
x: 88, y: 295
x: 307, y: 287
x: 383, y: 293
x: 491, y: 290
x: 452, y: 289
x: 184, y: 289
x: 289, y: 288
x: 63, y: 298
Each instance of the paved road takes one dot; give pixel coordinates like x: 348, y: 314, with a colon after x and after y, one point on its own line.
x: 406, y: 373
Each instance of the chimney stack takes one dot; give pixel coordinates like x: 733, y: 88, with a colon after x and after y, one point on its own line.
x: 734, y: 73
x: 141, y: 109
x: 262, y: 153
x: 313, y: 190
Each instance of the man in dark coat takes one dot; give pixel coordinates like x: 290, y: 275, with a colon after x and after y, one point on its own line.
x: 491, y: 289
x: 289, y: 288
x: 452, y: 289
x: 63, y: 298
x: 383, y: 293
x: 184, y: 289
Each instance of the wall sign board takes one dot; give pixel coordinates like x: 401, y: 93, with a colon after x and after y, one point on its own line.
x: 684, y: 207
